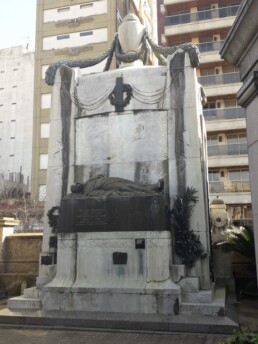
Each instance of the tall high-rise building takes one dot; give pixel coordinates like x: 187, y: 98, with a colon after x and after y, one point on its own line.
x: 16, y: 113
x: 206, y: 24
x: 74, y: 30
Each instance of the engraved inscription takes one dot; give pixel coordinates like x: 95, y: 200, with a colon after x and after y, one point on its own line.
x: 107, y: 243
x: 92, y: 217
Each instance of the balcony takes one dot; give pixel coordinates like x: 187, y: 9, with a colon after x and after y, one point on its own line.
x: 227, y: 78
x: 224, y: 113
x: 200, y: 21
x: 206, y: 47
x: 184, y: 18
x: 229, y: 149
x: 229, y: 186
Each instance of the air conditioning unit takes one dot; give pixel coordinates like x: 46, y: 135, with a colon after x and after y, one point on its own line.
x: 218, y: 104
x: 216, y: 38
x: 218, y: 70
x: 214, y: 6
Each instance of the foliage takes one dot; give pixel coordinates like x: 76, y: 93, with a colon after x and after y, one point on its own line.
x: 240, y: 240
x: 30, y: 213
x: 10, y: 190
x: 54, y: 218
x: 25, y: 209
x: 243, y: 337
x: 188, y: 246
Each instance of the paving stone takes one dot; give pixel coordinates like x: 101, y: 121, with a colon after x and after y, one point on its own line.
x: 39, y: 336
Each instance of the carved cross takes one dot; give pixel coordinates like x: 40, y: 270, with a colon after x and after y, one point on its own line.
x: 117, y: 96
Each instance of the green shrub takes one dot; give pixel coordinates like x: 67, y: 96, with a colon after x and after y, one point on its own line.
x: 243, y: 337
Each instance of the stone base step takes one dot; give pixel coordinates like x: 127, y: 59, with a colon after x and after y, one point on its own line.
x: 32, y: 293
x: 203, y: 296
x: 190, y: 284
x: 20, y: 302
x: 118, y: 321
x: 214, y: 308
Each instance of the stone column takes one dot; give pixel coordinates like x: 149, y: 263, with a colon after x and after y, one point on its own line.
x: 187, y: 152
x: 60, y: 174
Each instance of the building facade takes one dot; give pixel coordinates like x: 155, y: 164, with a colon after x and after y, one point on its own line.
x: 241, y: 49
x: 74, y: 30
x: 206, y: 24
x: 16, y: 113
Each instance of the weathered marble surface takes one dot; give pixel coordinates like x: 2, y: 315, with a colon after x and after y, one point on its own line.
x: 160, y: 134
x: 91, y: 281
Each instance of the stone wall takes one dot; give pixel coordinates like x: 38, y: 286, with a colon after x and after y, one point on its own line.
x: 20, y: 261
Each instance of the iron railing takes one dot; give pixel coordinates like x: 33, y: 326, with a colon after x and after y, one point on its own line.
x: 229, y: 186
x: 226, y: 78
x: 184, y: 18
x: 224, y: 113
x: 228, y: 149
x: 210, y: 46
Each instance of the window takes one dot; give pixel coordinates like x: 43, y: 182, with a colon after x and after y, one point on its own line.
x: 44, y: 69
x: 43, y: 161
x: 62, y: 37
x: 236, y: 138
x: 214, y: 176
x: 44, y: 130
x: 206, y: 72
x: 86, y: 33
x: 237, y: 144
x: 230, y: 103
x: 239, y: 175
x: 42, y: 192
x: 212, y: 140
x: 90, y: 4
x: 46, y: 101
x: 63, y: 9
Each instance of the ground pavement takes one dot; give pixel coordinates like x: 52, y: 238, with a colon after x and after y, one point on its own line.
x: 248, y: 318
x: 48, y: 336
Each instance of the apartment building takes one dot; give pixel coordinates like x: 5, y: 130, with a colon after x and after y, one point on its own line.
x: 16, y: 113
x: 206, y: 24
x: 74, y: 30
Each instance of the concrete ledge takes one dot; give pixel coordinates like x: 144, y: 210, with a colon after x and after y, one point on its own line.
x: 20, y: 302
x: 203, y: 296
x: 118, y: 321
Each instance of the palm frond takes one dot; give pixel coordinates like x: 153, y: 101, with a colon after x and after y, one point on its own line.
x: 240, y: 240
x: 187, y: 243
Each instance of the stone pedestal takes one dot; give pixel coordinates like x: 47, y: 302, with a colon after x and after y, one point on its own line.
x: 113, y: 272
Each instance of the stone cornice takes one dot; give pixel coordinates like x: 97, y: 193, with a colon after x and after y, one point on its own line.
x: 248, y: 91
x: 8, y: 222
x: 241, y: 34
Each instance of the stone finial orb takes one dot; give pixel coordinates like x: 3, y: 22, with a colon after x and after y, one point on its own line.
x: 130, y: 34
x: 217, y: 200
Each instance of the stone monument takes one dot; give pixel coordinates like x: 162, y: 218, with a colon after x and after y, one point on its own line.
x: 127, y: 143
x: 220, y: 223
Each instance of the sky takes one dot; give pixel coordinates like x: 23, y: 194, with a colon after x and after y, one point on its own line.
x: 17, y: 23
